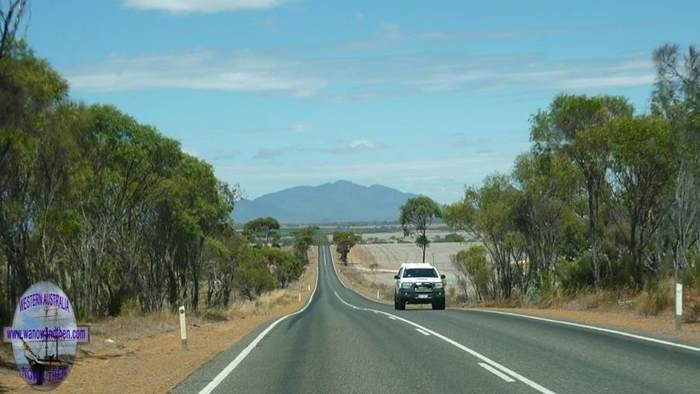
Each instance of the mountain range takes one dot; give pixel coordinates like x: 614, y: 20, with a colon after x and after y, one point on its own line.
x: 337, y: 202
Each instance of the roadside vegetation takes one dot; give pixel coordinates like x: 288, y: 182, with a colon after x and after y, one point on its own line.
x: 113, y: 212
x: 416, y: 216
x: 606, y: 201
x: 123, y: 349
x: 344, y: 241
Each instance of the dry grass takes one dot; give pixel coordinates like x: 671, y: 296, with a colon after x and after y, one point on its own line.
x: 649, y: 312
x: 359, y: 281
x: 140, y: 343
x: 654, y: 300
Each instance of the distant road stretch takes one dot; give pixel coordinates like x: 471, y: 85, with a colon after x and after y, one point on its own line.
x: 344, y: 343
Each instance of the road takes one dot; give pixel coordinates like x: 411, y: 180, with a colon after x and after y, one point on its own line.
x: 345, y: 343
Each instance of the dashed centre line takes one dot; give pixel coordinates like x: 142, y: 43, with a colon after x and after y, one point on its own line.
x: 497, y: 372
x: 505, y: 371
x: 422, y: 332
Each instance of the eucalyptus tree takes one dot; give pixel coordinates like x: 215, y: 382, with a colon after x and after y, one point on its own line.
x: 644, y: 164
x: 285, y: 266
x: 111, y: 210
x: 565, y: 126
x: 32, y: 97
x: 344, y: 241
x: 474, y: 265
x: 263, y: 230
x: 547, y: 214
x: 12, y: 13
x: 676, y: 97
x: 417, y: 214
x: 303, y: 239
x: 490, y: 212
x: 253, y: 277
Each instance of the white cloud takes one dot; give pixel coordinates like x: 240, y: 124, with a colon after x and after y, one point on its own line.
x: 300, y: 127
x: 361, y: 77
x: 202, y: 6
x: 196, y: 70
x: 364, y: 144
x: 537, y: 75
x: 354, y: 146
x: 390, y: 31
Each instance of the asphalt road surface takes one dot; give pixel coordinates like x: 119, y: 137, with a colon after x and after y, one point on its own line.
x: 344, y: 343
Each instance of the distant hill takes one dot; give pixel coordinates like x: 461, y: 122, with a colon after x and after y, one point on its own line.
x: 337, y: 202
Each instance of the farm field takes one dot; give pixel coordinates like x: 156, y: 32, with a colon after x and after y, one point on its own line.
x: 397, y: 236
x: 388, y: 234
x: 389, y: 257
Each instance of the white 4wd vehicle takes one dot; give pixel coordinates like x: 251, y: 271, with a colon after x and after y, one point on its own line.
x: 419, y: 284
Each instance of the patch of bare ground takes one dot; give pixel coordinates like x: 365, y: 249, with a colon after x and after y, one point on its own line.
x: 357, y: 278
x: 145, y: 355
x: 360, y: 256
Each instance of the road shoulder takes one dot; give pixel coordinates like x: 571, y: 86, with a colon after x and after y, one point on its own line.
x: 655, y: 327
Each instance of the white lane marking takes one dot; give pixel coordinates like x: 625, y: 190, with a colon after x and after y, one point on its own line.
x: 600, y: 329
x: 244, y: 353
x: 422, y: 332
x: 391, y: 317
x: 497, y: 372
x: 458, y: 345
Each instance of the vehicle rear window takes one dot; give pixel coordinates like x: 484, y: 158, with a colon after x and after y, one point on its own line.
x: 420, y: 273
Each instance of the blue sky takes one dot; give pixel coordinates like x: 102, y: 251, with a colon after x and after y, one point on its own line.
x: 422, y: 96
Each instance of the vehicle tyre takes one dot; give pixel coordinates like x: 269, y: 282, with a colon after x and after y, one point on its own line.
x: 439, y: 304
x: 396, y: 302
x: 402, y: 304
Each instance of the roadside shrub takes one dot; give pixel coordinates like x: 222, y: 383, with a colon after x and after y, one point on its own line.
x: 130, y: 307
x: 544, y: 293
x: 477, y: 267
x: 658, y: 296
x: 452, y: 297
x: 575, y: 275
x: 453, y: 237
x: 691, y: 290
x: 463, y: 286
x: 286, y: 266
x: 691, y: 305
x: 534, y: 295
x: 214, y: 316
x: 253, y: 276
x: 691, y: 275
x: 619, y: 273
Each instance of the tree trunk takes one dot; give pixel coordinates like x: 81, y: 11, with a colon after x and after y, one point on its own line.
x: 172, y: 288
x: 593, y: 232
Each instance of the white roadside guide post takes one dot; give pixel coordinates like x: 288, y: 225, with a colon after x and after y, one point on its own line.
x: 183, y: 329
x: 679, y: 305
